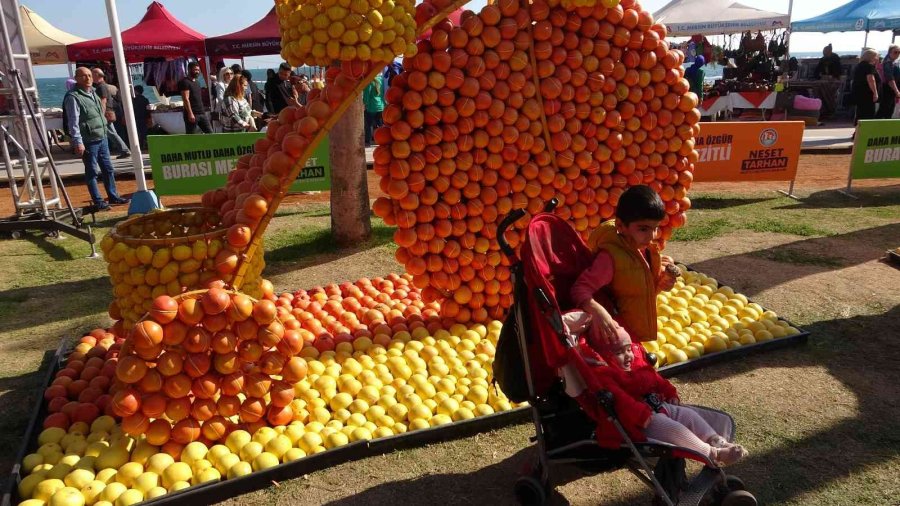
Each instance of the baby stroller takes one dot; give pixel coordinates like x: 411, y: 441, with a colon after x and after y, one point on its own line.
x: 552, y: 256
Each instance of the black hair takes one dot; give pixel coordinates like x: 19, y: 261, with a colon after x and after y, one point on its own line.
x: 139, y: 89
x: 640, y: 203
x: 236, y: 68
x: 247, y: 74
x: 285, y: 66
x: 193, y: 64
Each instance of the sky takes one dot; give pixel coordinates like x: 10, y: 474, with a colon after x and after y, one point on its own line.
x: 87, y: 18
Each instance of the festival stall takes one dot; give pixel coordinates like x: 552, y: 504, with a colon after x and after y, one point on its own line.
x: 855, y: 16
x: 259, y: 39
x: 749, y: 76
x: 46, y: 42
x: 163, y: 44
x: 209, y: 384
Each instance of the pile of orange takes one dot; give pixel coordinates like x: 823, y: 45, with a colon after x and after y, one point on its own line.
x: 199, y: 360
x: 518, y: 105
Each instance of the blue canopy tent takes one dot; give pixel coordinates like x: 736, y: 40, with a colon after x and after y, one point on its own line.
x: 856, y: 16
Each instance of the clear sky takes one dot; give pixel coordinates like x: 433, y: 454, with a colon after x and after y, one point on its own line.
x: 87, y: 18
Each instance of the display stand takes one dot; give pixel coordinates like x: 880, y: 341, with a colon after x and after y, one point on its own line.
x: 790, y: 191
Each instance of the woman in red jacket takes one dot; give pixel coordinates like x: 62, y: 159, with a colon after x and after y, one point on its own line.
x: 622, y: 363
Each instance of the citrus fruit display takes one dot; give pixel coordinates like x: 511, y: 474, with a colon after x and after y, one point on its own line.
x: 356, y: 361
x: 699, y: 317
x: 209, y: 375
x: 317, y: 32
x: 168, y: 253
x: 519, y: 104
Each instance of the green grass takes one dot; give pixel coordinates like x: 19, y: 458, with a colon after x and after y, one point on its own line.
x: 781, y: 227
x: 703, y: 229
x: 821, y: 215
x: 316, y: 239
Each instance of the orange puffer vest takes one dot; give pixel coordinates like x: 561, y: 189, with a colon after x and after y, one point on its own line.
x: 634, y: 282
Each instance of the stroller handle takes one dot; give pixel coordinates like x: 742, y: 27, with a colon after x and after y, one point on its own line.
x: 514, y: 216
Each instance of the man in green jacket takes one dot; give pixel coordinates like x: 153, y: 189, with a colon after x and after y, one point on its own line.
x: 373, y: 100
x: 87, y: 127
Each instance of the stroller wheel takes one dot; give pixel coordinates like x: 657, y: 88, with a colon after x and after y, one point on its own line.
x: 734, y: 483
x: 739, y: 498
x: 530, y: 491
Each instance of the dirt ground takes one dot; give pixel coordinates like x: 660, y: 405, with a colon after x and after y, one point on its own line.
x: 820, y: 420
x: 815, y: 172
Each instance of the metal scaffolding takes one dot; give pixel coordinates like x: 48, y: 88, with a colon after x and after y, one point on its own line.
x: 39, y: 195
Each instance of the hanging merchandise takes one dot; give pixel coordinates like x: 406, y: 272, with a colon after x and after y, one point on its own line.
x: 165, y: 74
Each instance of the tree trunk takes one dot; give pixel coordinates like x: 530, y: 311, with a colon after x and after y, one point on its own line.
x: 350, y: 213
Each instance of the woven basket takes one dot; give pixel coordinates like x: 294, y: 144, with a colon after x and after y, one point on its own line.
x: 168, y: 253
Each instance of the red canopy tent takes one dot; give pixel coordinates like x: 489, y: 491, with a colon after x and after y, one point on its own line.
x: 260, y: 38
x: 158, y: 34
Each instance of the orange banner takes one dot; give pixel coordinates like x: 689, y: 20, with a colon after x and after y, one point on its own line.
x: 739, y: 151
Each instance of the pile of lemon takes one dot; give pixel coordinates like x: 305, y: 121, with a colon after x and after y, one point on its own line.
x: 359, y: 391
x: 317, y: 32
x: 698, y: 317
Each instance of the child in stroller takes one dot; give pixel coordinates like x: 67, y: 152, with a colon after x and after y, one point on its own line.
x: 671, y: 422
x: 583, y: 418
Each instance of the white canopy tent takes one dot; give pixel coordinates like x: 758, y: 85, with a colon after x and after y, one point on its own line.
x: 46, y: 43
x: 685, y: 18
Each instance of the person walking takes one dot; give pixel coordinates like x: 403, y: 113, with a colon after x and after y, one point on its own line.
x: 889, y: 92
x: 865, y: 85
x: 88, y: 129
x: 194, y: 113
x: 373, y: 100
x: 108, y: 94
x: 280, y: 93
x: 236, y: 113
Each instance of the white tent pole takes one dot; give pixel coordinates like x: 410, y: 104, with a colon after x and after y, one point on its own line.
x: 122, y: 69
x: 71, y: 67
x: 787, y: 41
x: 866, y: 40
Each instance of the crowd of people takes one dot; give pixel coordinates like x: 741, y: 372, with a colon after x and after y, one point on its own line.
x: 875, y: 84
x: 874, y: 81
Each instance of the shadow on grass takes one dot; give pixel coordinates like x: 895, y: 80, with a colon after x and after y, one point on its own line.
x: 18, y: 396
x: 493, y: 482
x: 317, y: 245
x: 68, y: 300
x: 801, y: 466
x: 807, y: 256
x: 50, y: 246
x: 881, y: 196
x: 711, y: 203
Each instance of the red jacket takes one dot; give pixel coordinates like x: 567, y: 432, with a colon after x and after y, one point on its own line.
x: 628, y: 389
